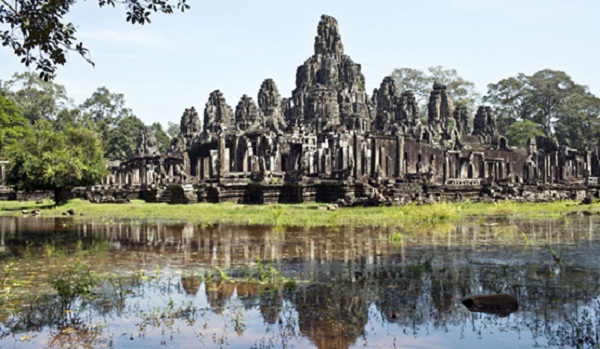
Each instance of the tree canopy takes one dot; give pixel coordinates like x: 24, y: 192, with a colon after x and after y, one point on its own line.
x: 12, y: 123
x: 58, y: 146
x: 45, y: 159
x: 421, y: 83
x: 36, y: 31
x: 550, y: 99
x: 38, y: 99
x: 122, y: 138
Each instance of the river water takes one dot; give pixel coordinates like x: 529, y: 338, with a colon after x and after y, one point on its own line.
x: 163, y: 285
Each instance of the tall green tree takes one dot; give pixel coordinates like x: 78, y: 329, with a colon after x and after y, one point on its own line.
x: 549, y: 98
x: 163, y: 139
x: 105, y: 106
x: 122, y: 139
x: 45, y: 159
x: 102, y: 111
x: 173, y: 129
x: 579, y: 122
x: 510, y: 100
x: 36, y: 30
x: 421, y: 83
x: 13, y: 125
x: 38, y: 99
x: 523, y: 130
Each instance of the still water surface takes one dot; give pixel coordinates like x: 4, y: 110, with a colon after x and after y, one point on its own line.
x: 176, y: 285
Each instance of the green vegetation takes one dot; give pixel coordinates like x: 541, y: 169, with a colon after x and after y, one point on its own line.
x: 45, y: 41
x: 304, y: 215
x: 421, y: 83
x: 548, y: 102
x: 45, y: 159
x: 76, y: 280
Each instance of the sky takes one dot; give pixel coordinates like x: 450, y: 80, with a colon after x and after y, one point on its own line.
x: 175, y: 62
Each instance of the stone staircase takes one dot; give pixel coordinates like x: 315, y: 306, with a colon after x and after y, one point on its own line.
x: 165, y: 195
x: 178, y: 194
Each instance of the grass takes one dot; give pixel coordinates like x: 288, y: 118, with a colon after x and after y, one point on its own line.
x: 304, y: 215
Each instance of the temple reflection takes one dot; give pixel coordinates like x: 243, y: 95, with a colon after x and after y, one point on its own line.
x: 349, y: 279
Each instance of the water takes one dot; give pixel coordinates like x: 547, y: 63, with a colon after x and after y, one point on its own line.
x: 174, y: 285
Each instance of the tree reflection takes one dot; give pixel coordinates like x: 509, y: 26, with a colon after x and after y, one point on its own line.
x: 332, y: 315
x: 348, y: 279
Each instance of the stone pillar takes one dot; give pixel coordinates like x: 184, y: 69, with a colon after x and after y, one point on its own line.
x: 399, y: 171
x: 223, y: 156
x: 357, y: 155
x: 374, y: 156
x: 383, y: 162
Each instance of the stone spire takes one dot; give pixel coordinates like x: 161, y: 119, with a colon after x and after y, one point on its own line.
x: 269, y: 102
x: 385, y: 101
x: 328, y: 40
x: 441, y: 108
x: 146, y: 143
x: 485, y: 123
x: 190, y: 124
x: 461, y: 120
x: 218, y: 115
x: 330, y: 88
x: 247, y: 115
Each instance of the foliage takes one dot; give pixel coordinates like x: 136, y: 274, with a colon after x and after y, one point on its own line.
x: 12, y: 123
x: 38, y: 99
x: 549, y: 98
x: 76, y: 280
x: 45, y: 159
x: 161, y: 137
x: 173, y: 129
x: 122, y: 139
x: 421, y: 83
x: 522, y: 131
x: 509, y: 100
x: 105, y: 106
x: 37, y: 31
x: 579, y: 124
x: 105, y: 112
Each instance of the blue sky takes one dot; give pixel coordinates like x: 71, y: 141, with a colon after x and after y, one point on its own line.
x: 177, y: 60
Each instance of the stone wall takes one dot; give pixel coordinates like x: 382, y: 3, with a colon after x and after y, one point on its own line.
x: 330, y: 141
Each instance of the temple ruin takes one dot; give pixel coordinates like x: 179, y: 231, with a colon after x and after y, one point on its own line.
x: 332, y: 142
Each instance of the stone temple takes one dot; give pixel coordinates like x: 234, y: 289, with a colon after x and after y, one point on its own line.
x: 332, y: 142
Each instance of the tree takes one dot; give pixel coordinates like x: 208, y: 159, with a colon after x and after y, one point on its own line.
x: 102, y: 112
x: 510, y: 101
x: 67, y: 118
x: 104, y: 105
x: 38, y: 99
x: 164, y: 141
x: 36, y: 31
x: 173, y: 129
x: 579, y: 124
x: 421, y: 83
x: 522, y: 131
x: 121, y: 141
x: 45, y: 159
x: 549, y: 98
x: 12, y: 123
x: 549, y: 92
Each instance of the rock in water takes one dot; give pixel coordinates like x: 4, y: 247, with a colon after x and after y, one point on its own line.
x: 499, y: 304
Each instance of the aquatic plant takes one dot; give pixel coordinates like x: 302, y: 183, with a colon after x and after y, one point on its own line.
x: 75, y: 281
x: 556, y: 255
x: 397, y: 238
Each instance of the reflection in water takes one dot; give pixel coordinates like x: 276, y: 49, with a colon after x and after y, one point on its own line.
x: 354, y: 286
